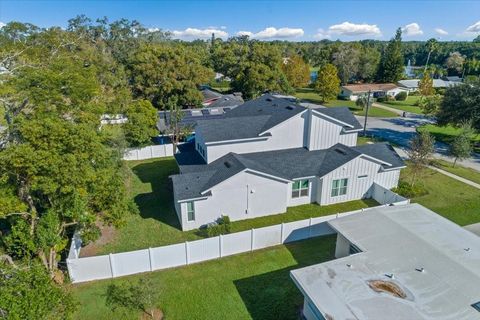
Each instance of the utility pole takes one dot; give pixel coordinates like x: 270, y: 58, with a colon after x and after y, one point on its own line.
x: 366, y: 114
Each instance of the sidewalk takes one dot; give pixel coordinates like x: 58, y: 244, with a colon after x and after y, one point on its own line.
x: 381, y: 106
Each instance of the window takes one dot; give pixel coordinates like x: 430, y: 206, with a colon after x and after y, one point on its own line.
x: 300, y: 189
x: 339, y: 187
x: 190, y: 211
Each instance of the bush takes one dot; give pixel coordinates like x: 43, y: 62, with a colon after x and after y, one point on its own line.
x: 382, y: 99
x: 401, y: 96
x: 408, y: 190
x: 221, y: 226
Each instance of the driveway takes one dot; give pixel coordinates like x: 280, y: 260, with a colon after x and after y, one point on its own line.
x: 401, y: 130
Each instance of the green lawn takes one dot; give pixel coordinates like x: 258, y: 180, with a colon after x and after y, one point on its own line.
x: 158, y: 225
x: 459, y: 170
x: 407, y: 105
x: 445, y: 133
x: 310, y: 95
x: 450, y: 198
x: 254, y: 285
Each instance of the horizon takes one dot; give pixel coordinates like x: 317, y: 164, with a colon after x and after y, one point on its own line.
x: 266, y: 20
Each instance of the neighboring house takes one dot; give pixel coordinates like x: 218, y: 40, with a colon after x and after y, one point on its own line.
x: 214, y: 99
x: 270, y: 154
x: 269, y: 123
x: 412, y: 84
x: 354, y: 91
x: 400, y: 262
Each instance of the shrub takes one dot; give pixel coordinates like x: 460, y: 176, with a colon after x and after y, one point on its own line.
x: 382, y: 99
x: 401, y: 96
x: 408, y: 190
x: 221, y: 226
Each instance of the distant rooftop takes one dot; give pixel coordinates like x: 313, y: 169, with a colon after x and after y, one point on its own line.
x: 430, y: 266
x: 365, y: 87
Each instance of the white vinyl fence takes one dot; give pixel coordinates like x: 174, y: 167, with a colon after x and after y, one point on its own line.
x: 181, y: 254
x: 149, y: 152
x: 384, y: 196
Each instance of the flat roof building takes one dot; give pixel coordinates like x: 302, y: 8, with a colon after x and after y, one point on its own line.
x: 401, y: 262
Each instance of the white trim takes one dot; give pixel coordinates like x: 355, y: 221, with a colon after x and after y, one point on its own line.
x: 332, y: 118
x: 375, y: 159
x: 213, y: 143
x: 192, y: 199
x: 395, y: 168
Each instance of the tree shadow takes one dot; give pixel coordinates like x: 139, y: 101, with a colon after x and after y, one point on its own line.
x: 273, y: 295
x: 157, y: 204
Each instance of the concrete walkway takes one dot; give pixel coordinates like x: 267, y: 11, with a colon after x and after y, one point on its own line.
x: 381, y: 106
x: 473, y: 228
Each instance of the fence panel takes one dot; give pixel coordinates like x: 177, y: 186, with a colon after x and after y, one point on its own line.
x: 296, y: 230
x: 205, y: 249
x: 267, y: 236
x: 169, y: 256
x: 89, y: 268
x: 384, y: 196
x: 234, y: 243
x: 132, y: 262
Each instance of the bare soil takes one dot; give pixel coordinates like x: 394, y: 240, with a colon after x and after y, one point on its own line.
x: 157, y: 315
x: 108, y: 233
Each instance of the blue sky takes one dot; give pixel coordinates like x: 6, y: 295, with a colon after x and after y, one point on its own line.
x: 266, y: 20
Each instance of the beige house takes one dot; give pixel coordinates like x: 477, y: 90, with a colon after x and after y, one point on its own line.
x: 354, y: 91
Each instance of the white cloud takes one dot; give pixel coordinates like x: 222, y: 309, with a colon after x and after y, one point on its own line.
x: 321, y: 34
x: 153, y: 29
x: 274, y: 33
x: 194, y: 33
x: 2, y: 24
x: 412, y: 29
x: 351, y: 29
x: 474, y: 28
x: 441, y: 32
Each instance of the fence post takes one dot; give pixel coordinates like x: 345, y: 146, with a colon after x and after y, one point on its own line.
x: 151, y: 152
x: 112, y: 267
x: 252, y: 239
x: 310, y: 228
x: 220, y: 245
x: 187, y: 253
x: 281, y: 233
x: 150, y: 256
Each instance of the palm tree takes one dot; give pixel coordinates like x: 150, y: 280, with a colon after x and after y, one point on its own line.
x: 431, y: 45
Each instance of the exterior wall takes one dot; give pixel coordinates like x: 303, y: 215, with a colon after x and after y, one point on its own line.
x: 349, y: 139
x: 323, y: 133
x: 289, y: 134
x: 243, y: 196
x: 312, y: 194
x: 396, y: 91
x: 199, y: 142
x: 342, y: 248
x: 310, y: 312
x: 357, y: 188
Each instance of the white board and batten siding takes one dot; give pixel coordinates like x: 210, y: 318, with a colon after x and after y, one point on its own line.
x: 245, y: 195
x: 324, y: 134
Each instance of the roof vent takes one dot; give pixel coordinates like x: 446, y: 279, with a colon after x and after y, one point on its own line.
x: 467, y: 249
x: 420, y: 269
x: 476, y: 306
x: 227, y: 164
x: 290, y: 107
x: 269, y: 99
x: 341, y: 150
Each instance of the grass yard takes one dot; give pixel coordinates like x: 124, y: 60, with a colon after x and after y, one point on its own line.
x: 253, y: 285
x: 446, y: 134
x: 407, y: 105
x: 157, y: 224
x: 448, y: 197
x: 310, y: 95
x: 459, y: 170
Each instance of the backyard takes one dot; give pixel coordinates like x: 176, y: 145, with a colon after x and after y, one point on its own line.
x: 309, y: 95
x: 447, y: 133
x: 409, y: 105
x: 157, y: 224
x: 253, y: 285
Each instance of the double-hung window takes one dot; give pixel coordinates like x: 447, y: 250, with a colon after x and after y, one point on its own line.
x: 190, y: 211
x: 300, y: 189
x: 339, y: 187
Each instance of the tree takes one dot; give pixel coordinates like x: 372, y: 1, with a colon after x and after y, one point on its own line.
x: 430, y: 104
x: 431, y: 46
x: 347, y: 60
x: 425, y: 85
x: 391, y: 64
x: 142, y: 123
x: 461, y: 147
x: 362, y: 101
x: 140, y: 297
x: 460, y: 103
x: 368, y: 64
x: 477, y: 39
x: 328, y: 83
x: 455, y: 62
x: 296, y: 71
x: 29, y: 293
x: 420, y: 152
x: 162, y: 73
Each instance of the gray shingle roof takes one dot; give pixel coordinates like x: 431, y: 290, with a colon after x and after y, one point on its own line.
x: 226, y: 128
x: 285, y: 164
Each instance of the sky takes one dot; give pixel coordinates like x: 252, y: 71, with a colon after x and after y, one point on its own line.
x: 268, y: 20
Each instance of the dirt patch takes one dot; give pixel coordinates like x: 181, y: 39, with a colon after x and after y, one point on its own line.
x: 108, y: 233
x: 157, y: 315
x: 387, y: 287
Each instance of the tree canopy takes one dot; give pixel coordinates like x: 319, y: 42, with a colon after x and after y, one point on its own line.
x: 460, y: 104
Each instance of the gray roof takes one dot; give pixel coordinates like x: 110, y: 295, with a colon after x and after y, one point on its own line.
x: 285, y: 164
x: 254, y: 117
x: 437, y: 83
x: 398, y: 240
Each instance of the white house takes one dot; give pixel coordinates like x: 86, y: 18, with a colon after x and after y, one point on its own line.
x: 354, y: 91
x: 400, y: 262
x: 412, y: 84
x: 285, y: 156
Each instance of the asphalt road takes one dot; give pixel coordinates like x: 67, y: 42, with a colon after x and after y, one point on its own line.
x: 401, y: 130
